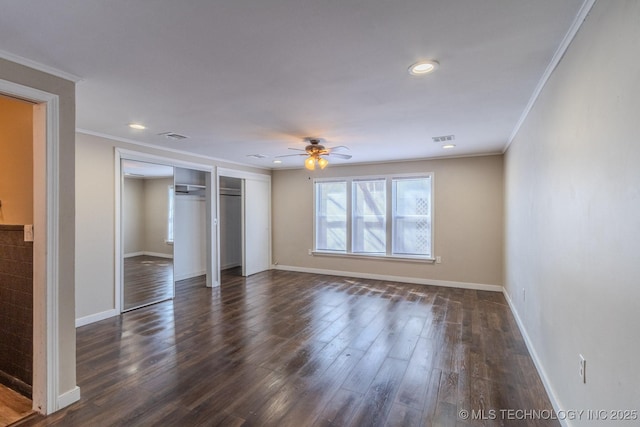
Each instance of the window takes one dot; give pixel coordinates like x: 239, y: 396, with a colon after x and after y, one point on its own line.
x: 331, y: 216
x: 170, y: 209
x: 386, y: 216
x: 369, y: 217
x: 412, y: 216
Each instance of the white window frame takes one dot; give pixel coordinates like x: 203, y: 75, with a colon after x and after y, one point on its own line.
x: 389, y: 217
x: 315, y: 216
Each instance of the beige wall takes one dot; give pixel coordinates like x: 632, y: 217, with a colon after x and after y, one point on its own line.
x: 572, y: 202
x: 95, y: 232
x: 145, y: 215
x: 156, y: 216
x: 467, y: 220
x: 132, y: 215
x: 16, y: 161
x: 65, y: 89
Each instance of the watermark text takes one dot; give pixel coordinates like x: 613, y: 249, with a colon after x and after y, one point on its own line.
x: 550, y: 414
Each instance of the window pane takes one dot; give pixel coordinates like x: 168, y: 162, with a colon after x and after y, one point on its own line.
x: 369, y: 216
x: 331, y: 216
x: 412, y: 216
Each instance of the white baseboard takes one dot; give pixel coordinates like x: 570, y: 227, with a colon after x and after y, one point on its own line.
x: 132, y: 254
x: 536, y: 360
x: 413, y: 280
x: 189, y: 275
x: 96, y: 317
x: 69, y: 397
x: 157, y: 254
x: 147, y: 253
x: 231, y: 265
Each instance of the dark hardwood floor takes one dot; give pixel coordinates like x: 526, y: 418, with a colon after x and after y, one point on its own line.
x: 147, y: 279
x: 292, y: 349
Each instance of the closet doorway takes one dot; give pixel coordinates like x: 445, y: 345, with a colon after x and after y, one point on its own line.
x: 245, y: 221
x: 231, y: 225
x: 147, y: 222
x: 171, y: 221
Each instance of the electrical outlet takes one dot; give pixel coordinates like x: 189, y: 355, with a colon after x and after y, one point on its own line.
x: 583, y: 369
x: 438, y: 260
x: 310, y: 252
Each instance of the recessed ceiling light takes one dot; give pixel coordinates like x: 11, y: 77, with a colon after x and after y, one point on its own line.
x: 423, y: 67
x: 137, y: 126
x: 448, y: 146
x: 277, y: 161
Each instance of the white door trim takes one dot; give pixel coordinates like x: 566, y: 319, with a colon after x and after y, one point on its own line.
x: 46, y: 368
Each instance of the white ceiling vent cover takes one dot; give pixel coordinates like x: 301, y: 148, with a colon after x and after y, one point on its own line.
x: 444, y: 138
x: 173, y: 135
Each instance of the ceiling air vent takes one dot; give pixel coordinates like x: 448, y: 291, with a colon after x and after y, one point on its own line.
x: 173, y: 135
x: 445, y: 138
x: 257, y: 156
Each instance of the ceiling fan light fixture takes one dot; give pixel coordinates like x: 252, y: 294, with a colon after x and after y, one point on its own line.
x: 423, y: 67
x: 322, y: 162
x: 310, y: 163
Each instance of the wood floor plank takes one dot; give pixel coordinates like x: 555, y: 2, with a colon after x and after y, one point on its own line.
x: 13, y: 406
x: 295, y: 349
x: 405, y: 416
x: 340, y: 409
x: 380, y: 396
x: 147, y: 279
x: 413, y: 388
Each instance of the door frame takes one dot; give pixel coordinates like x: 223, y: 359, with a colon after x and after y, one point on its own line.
x: 46, y: 286
x: 212, y: 237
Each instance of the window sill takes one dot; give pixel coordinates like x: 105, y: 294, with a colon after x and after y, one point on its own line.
x: 404, y: 258
x: 169, y: 242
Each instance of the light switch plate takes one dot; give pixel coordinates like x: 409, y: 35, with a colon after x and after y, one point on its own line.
x: 28, y: 233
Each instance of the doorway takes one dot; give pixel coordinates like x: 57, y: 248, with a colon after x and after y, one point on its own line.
x: 16, y: 258
x: 147, y: 220
x: 231, y: 225
x: 252, y: 217
x: 177, y: 237
x: 48, y: 342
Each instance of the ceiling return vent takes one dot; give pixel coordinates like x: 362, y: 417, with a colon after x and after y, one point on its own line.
x: 173, y: 135
x: 444, y: 138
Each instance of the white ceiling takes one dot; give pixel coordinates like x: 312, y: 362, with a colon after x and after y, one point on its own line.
x: 242, y: 77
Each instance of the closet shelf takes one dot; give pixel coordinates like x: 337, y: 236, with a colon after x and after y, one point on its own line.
x: 189, y: 189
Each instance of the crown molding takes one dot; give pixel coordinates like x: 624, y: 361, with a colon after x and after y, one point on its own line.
x: 38, y: 66
x: 166, y: 149
x: 555, y: 60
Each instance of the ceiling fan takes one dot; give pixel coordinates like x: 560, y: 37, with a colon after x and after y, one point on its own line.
x: 314, y: 152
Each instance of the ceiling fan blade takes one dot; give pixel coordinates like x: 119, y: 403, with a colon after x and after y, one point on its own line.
x: 291, y: 155
x: 338, y: 148
x: 342, y: 156
x: 297, y: 149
